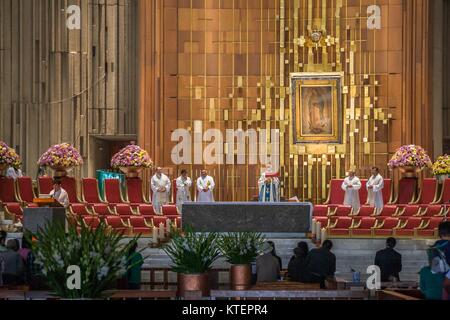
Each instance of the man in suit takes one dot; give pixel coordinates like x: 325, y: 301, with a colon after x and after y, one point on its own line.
x: 320, y: 264
x: 389, y: 261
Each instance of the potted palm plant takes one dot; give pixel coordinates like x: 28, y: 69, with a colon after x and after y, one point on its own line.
x: 240, y: 250
x: 192, y: 255
x: 100, y: 256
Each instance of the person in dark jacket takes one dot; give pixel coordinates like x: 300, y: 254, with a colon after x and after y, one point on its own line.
x: 389, y: 261
x: 444, y: 241
x: 320, y: 264
x: 296, y: 267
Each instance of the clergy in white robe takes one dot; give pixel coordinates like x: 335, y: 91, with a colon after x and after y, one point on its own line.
x: 205, y: 187
x: 351, y: 186
x: 13, y: 173
x: 160, y: 185
x: 375, y: 190
x: 184, y: 184
x: 268, y: 187
x: 59, y: 194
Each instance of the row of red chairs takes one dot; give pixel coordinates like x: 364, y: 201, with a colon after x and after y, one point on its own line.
x: 364, y: 227
x: 130, y: 225
x: 430, y: 194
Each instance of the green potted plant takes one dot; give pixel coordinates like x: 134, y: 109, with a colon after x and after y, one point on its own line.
x: 240, y: 250
x: 99, y: 256
x: 192, y: 255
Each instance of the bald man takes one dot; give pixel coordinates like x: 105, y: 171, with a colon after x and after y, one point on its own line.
x: 205, y: 187
x: 351, y: 186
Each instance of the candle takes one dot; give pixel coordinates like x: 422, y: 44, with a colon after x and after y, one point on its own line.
x: 168, y: 225
x: 155, y: 234
x: 323, y: 235
x: 161, y: 230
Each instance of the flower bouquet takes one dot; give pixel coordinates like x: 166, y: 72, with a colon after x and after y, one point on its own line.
x: 441, y: 168
x: 61, y: 158
x: 8, y: 157
x: 410, y: 158
x: 131, y: 160
x: 80, y: 264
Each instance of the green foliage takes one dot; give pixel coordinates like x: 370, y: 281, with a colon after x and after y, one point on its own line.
x: 101, y: 255
x: 241, y: 247
x: 192, y: 253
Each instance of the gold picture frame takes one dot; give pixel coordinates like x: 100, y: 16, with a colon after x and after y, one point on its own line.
x: 316, y: 104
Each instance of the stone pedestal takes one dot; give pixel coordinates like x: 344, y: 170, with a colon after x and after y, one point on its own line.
x: 35, y: 218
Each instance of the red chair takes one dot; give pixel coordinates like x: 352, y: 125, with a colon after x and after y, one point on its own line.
x: 428, y: 193
x: 335, y: 194
x: 7, y: 191
x: 410, y: 210
x: 408, y: 227
x: 341, y: 227
x: 14, y: 210
x: 320, y: 211
x: 101, y: 209
x: 342, y: 211
x: 146, y: 210
x: 445, y: 194
x: 91, y: 222
x: 157, y: 220
x: 406, y: 191
x: 433, y: 210
x: 385, y: 227
x: 124, y: 210
x: 388, y: 211
x: 79, y: 210
x: 69, y: 184
x: 117, y: 223
x: 428, y: 229
x: 45, y: 185
x: 25, y: 192
x: 363, y: 192
x: 363, y: 227
x: 170, y: 210
x: 135, y: 193
x: 174, y: 191
x: 387, y: 191
x: 140, y: 225
x: 365, y: 211
x: 90, y: 192
x: 322, y: 220
x: 113, y: 194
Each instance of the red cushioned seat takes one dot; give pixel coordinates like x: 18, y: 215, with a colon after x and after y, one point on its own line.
x: 433, y: 210
x: 124, y: 210
x: 90, y: 193
x: 429, y: 229
x: 340, y: 227
x: 101, y: 209
x: 156, y: 220
x: 363, y: 192
x: 335, y: 194
x: 409, y: 211
x: 135, y: 194
x: 15, y: 210
x: 445, y: 195
x: 79, y: 209
x: 387, y: 191
x: 322, y: 220
x: 25, y: 192
x: 146, y: 210
x: 69, y: 184
x: 91, y: 221
x: 320, y: 211
x: 45, y: 185
x: 7, y: 190
x: 113, y: 193
x: 363, y: 228
x: 428, y: 192
x: 140, y: 225
x: 386, y: 227
x: 407, y: 228
x: 117, y: 223
x: 388, y: 211
x: 342, y: 211
x: 406, y: 191
x: 169, y: 210
x: 366, y: 211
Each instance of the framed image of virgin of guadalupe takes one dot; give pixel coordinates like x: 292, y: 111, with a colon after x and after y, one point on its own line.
x: 317, y: 107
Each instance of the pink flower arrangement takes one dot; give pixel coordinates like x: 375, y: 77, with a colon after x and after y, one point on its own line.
x: 131, y: 156
x: 412, y: 156
x: 61, y: 155
x: 9, y: 156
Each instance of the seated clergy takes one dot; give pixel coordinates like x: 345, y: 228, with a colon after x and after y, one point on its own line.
x: 351, y: 186
x: 59, y: 194
x: 267, y: 266
x: 14, y: 172
x: 160, y: 185
x: 375, y: 190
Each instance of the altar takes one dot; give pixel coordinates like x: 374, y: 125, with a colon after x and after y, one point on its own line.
x: 276, y: 218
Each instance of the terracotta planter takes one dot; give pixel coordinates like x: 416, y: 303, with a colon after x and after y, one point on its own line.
x: 193, y: 282
x: 131, y: 172
x: 409, y: 171
x: 240, y: 276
